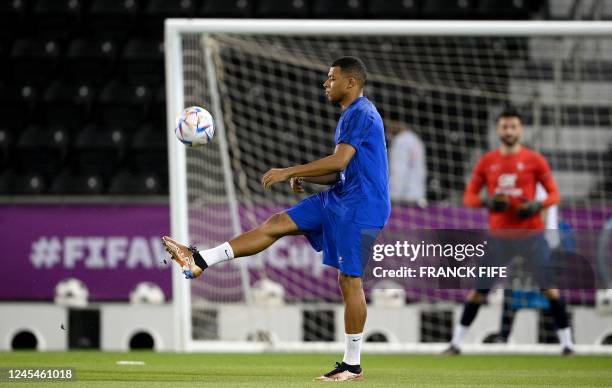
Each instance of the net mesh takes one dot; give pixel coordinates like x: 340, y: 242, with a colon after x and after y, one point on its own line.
x: 448, y: 90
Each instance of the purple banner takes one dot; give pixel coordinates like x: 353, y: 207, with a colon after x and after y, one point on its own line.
x: 111, y: 248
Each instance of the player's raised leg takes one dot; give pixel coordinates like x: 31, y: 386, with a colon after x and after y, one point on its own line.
x: 194, y: 262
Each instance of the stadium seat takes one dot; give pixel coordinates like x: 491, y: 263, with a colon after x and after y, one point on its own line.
x: 503, y: 9
x: 67, y: 104
x: 42, y: 150
x: 143, y: 61
x: 57, y: 18
x: 128, y: 183
x: 4, y: 68
x: 12, y: 14
x: 76, y: 184
x: 148, y: 151
x: 158, y: 10
x: 34, y: 60
x: 113, y: 18
x: 338, y: 9
x: 393, y: 9
x: 448, y: 9
x: 12, y: 183
x: 282, y: 9
x: 157, y: 116
x: 121, y: 105
x: 98, y: 150
x: 90, y: 61
x: 561, y: 9
x: 16, y: 104
x: 6, y: 148
x: 606, y: 10
x: 226, y: 8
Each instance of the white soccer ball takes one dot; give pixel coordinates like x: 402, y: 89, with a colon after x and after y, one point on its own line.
x: 147, y: 293
x: 71, y: 292
x: 268, y: 293
x: 195, y: 127
x: 388, y: 294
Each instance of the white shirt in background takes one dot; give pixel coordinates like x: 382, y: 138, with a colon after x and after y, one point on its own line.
x: 408, y: 172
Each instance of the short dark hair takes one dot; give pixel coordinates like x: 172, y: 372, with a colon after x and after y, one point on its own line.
x: 353, y: 66
x: 510, y: 112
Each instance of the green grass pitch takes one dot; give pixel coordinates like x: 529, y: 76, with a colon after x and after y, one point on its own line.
x: 100, y: 369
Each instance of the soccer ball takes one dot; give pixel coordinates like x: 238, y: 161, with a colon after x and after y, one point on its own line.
x: 268, y: 293
x: 194, y: 127
x: 71, y: 292
x: 388, y: 294
x: 147, y: 293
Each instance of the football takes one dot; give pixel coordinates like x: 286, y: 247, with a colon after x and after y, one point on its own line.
x: 71, y: 292
x: 147, y: 293
x: 194, y: 127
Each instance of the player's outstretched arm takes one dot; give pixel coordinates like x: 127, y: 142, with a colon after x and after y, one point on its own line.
x: 331, y: 164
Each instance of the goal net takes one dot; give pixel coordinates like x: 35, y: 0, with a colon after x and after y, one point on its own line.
x: 446, y: 82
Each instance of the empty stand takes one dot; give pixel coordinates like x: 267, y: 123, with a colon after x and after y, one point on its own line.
x: 448, y: 9
x: 148, y: 151
x: 57, y: 18
x: 143, y: 61
x: 42, y: 150
x: 393, y: 9
x: 123, y: 105
x: 338, y: 9
x: 158, y: 10
x: 90, y: 61
x: 68, y: 182
x: 67, y: 104
x: 16, y: 104
x: 98, y: 151
x: 504, y: 9
x: 226, y: 8
x: 12, y: 182
x: 282, y: 9
x: 113, y: 18
x: 35, y: 60
x: 128, y: 183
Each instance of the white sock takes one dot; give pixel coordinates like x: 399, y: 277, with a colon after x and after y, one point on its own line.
x: 458, y: 335
x: 352, y: 348
x: 218, y: 254
x: 565, y: 337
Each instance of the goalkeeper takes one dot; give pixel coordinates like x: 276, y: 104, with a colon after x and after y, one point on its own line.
x: 510, y: 174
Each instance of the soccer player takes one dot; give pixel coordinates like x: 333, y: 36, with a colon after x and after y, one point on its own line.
x: 342, y: 221
x: 511, y: 174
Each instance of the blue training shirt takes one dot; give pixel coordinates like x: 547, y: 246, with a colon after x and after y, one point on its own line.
x: 362, y: 192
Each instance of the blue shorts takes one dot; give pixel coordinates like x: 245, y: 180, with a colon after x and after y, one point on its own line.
x: 346, y: 245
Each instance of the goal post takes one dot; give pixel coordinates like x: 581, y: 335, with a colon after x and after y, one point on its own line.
x: 261, y: 80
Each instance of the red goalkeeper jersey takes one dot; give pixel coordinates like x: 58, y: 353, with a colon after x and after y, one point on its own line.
x: 515, y: 175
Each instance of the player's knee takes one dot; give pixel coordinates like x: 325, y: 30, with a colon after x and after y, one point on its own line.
x: 552, y: 293
x: 349, y: 283
x: 278, y: 225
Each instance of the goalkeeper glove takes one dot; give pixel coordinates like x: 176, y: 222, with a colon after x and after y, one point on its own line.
x: 528, y: 209
x: 498, y: 203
